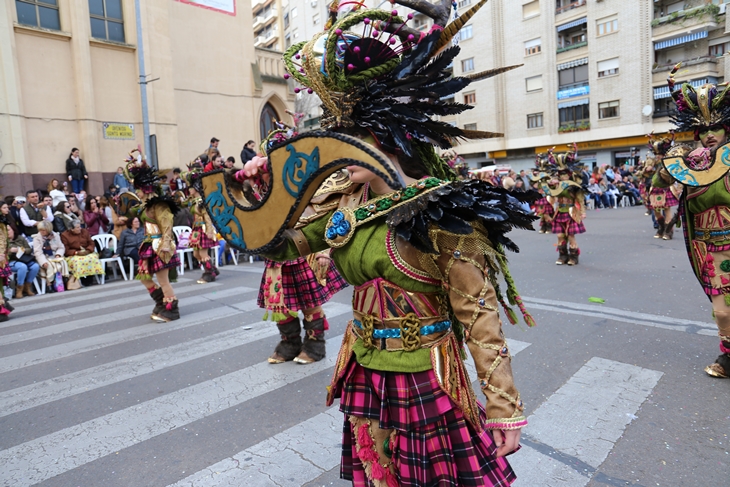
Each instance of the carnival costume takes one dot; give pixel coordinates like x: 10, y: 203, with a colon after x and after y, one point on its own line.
x: 542, y: 207
x: 203, y: 234
x: 705, y: 203
x: 5, y: 271
x: 662, y: 198
x: 158, y: 251
x: 424, y: 258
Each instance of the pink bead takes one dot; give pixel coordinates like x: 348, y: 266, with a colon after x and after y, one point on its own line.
x: 356, y: 49
x: 410, y: 16
x: 310, y: 91
x: 298, y: 56
x: 338, y: 32
x: 411, y: 37
x: 297, y: 90
x: 375, y: 33
x: 286, y: 76
x: 392, y: 40
x: 394, y: 13
x: 366, y: 21
x: 350, y: 67
x: 367, y: 59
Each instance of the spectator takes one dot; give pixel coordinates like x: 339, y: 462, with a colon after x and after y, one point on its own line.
x: 178, y: 183
x: 108, y: 212
x: 63, y: 217
x: 118, y: 223
x: 595, y: 193
x: 18, y: 203
x: 525, y: 179
x: 56, y: 193
x: 607, y: 196
x: 216, y: 162
x: 248, y: 152
x: 585, y: 177
x: 73, y: 203
x: 613, y: 193
x: 65, y: 189
x: 96, y: 220
x: 81, y: 256
x: 610, y: 175
x: 214, y: 143
x: 49, y: 251
x: 120, y: 180
x: 52, y: 184
x: 230, y: 162
x: 76, y: 171
x: 130, y: 240
x: 81, y: 200
x: 519, y: 185
x: 164, y: 186
x: 200, y: 162
x: 22, y: 264
x: 508, y: 183
x: 34, y: 212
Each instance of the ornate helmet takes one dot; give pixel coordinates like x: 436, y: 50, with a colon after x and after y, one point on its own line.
x: 564, y: 162
x: 144, y: 177
x: 660, y: 146
x: 699, y: 108
x: 374, y: 72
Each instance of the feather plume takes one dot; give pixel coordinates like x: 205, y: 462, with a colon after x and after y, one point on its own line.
x: 491, y: 72
x: 451, y: 29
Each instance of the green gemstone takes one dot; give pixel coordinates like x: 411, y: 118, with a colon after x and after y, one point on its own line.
x: 725, y: 265
x: 361, y: 214
x: 384, y: 204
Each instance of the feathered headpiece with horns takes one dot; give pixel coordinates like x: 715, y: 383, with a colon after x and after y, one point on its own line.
x: 388, y: 78
x: 699, y: 108
x: 661, y: 145
x: 143, y: 176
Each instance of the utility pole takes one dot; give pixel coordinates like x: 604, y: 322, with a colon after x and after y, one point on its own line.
x: 142, y: 82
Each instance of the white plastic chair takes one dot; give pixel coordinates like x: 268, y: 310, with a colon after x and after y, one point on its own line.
x: 590, y: 204
x: 181, y: 252
x: 624, y: 201
x: 131, y: 267
x: 106, y: 241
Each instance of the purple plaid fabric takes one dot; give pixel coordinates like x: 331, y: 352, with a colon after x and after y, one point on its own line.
x: 154, y: 263
x: 435, y: 444
x: 563, y: 223
x: 199, y: 240
x: 300, y: 287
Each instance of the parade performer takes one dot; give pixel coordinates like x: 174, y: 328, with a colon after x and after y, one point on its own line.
x: 644, y: 173
x: 5, y: 271
x: 158, y: 251
x: 703, y: 173
x: 423, y: 251
x: 203, y: 237
x: 542, y: 207
x: 568, y: 197
x: 662, y: 198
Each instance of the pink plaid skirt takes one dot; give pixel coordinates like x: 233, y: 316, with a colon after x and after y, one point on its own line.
x: 434, y: 445
x: 5, y: 273
x: 563, y: 223
x: 150, y: 262
x: 299, y: 284
x: 199, y: 240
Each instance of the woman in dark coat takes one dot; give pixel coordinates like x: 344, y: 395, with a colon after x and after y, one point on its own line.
x: 76, y: 171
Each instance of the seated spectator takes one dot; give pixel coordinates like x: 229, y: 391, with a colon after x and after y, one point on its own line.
x: 216, y: 162
x: 96, y: 220
x: 519, y: 185
x: 598, y: 197
x: 613, y: 193
x: 35, y: 211
x: 130, y: 240
x: 63, y: 217
x: 49, y: 253
x: 22, y: 264
x: 178, y: 182
x: 607, y: 194
x: 108, y: 212
x: 81, y: 256
x: 632, y: 192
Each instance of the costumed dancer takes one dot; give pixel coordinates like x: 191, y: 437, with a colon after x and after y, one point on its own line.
x: 706, y: 200
x: 203, y: 237
x: 158, y: 252
x: 542, y: 206
x: 423, y: 258
x: 5, y: 271
x: 662, y: 198
x: 567, y: 195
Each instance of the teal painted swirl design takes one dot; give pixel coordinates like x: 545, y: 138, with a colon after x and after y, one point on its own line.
x: 725, y: 155
x: 297, y: 168
x: 682, y: 174
x: 225, y: 221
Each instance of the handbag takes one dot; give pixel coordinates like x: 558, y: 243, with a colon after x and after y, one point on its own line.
x: 58, y: 285
x: 26, y: 259
x: 106, y: 254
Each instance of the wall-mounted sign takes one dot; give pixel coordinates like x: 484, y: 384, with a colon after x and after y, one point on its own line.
x: 118, y: 131
x: 572, y: 92
x: 225, y: 6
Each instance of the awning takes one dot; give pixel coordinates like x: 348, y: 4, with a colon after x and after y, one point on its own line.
x: 680, y: 40
x: 573, y: 103
x: 574, y: 23
x: 573, y: 63
x: 663, y: 91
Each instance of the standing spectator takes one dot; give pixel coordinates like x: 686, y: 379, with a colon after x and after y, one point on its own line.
x: 76, y: 171
x: 49, y: 251
x: 130, y: 240
x: 216, y: 162
x: 63, y: 217
x: 178, y: 183
x: 33, y: 212
x: 96, y: 220
x: 120, y: 181
x: 214, y: 143
x: 525, y: 180
x: 22, y: 264
x: 81, y: 256
x: 248, y: 152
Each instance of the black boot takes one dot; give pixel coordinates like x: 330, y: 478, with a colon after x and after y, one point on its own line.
x: 208, y: 275
x: 545, y: 226
x: 157, y: 295
x: 573, y: 254
x: 214, y: 268
x: 291, y: 341
x: 669, y: 229
x: 169, y: 312
x: 661, y: 227
x: 562, y: 254
x: 313, y: 348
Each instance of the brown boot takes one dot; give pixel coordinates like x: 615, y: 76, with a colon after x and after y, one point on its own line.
x: 291, y: 341
x: 313, y: 347
x: 18, y: 292
x: 28, y: 289
x: 562, y: 254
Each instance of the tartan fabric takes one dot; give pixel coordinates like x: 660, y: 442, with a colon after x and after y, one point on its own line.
x: 151, y: 263
x: 299, y: 285
x: 199, y: 240
x: 669, y: 197
x: 563, y: 223
x: 543, y: 207
x: 435, y: 445
x: 705, y: 278
x: 5, y: 273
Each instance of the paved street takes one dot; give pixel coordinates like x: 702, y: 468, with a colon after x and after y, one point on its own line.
x: 92, y: 393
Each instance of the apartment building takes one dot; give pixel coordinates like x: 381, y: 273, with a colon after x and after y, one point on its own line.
x: 268, y: 24
x: 69, y: 78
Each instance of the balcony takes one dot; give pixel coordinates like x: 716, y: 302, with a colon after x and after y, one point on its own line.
x: 702, y: 18
x: 569, y: 6
x: 258, y: 22
x: 270, y: 17
x: 570, y: 47
x: 258, y: 5
x: 700, y: 67
x: 577, y: 126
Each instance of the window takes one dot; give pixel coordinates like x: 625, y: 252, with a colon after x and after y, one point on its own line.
x: 286, y: 20
x: 534, y: 83
x: 574, y: 115
x: 576, y: 76
x: 106, y: 20
x: 531, y: 9
x: 607, y: 25
x: 608, y: 109
x: 533, y: 47
x: 287, y: 41
x: 38, y: 13
x: 470, y: 126
x: 464, y: 3
x: 470, y: 98
x: 293, y: 12
x: 719, y: 48
x: 467, y: 65
x: 572, y: 35
x: 534, y: 121
x: 315, y: 19
x: 675, y: 7
x: 466, y: 33
x: 608, y: 67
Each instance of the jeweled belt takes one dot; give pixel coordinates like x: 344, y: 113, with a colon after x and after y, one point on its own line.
x: 712, y: 225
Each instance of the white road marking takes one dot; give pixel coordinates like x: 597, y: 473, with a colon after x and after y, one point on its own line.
x: 252, y: 270
x: 536, y: 469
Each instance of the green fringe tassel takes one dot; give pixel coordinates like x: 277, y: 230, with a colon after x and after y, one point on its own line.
x: 278, y: 316
x: 512, y: 295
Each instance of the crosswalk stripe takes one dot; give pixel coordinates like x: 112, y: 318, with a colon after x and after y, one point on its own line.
x: 252, y: 270
x: 53, y: 454
x: 293, y: 457
x: 35, y: 394
x: 96, y: 320
x: 55, y: 352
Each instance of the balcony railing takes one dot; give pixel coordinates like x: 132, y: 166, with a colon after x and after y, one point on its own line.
x: 683, y: 15
x: 661, y: 113
x: 570, y: 6
x: 572, y: 46
x: 662, y: 68
x: 577, y: 126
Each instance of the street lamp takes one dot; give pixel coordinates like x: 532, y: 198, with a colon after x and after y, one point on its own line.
x: 143, y: 87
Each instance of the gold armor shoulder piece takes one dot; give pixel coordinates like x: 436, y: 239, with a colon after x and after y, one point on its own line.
x: 345, y: 196
x: 679, y: 150
x: 338, y: 183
